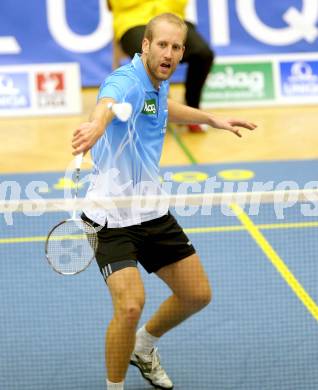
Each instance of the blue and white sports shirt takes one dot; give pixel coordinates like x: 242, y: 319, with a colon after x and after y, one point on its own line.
x: 126, y: 158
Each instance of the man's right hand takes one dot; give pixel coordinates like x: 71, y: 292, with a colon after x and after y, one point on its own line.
x: 84, y: 137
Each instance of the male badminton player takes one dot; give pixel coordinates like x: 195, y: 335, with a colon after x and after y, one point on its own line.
x: 126, y: 157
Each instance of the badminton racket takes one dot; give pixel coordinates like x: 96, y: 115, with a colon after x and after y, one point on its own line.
x: 71, y: 244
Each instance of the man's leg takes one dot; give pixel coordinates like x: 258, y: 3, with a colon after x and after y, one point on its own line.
x: 132, y: 39
x: 191, y: 292
x: 127, y: 291
x: 200, y: 58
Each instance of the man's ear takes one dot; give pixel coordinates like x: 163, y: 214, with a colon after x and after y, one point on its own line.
x: 145, y: 45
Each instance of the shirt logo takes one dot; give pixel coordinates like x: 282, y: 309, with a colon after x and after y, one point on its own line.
x: 150, y: 107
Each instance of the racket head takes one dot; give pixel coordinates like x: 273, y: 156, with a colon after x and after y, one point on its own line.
x: 71, y: 246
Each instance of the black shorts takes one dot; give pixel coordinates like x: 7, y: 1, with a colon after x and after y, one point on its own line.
x: 154, y: 244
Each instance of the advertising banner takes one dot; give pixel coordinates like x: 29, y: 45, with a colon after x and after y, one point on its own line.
x: 55, y: 31
x: 42, y: 89
x: 282, y: 79
x: 241, y: 81
x: 299, y: 79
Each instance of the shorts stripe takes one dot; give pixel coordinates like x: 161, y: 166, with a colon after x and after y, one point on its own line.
x: 109, y: 269
x: 106, y: 271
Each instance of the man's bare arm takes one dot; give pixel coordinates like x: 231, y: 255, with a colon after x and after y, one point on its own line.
x: 87, y: 134
x: 180, y: 113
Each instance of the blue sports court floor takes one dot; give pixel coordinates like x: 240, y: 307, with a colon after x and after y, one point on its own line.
x: 259, y: 333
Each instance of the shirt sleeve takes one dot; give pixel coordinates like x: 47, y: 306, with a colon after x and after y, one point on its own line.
x: 119, y: 88
x: 122, y: 88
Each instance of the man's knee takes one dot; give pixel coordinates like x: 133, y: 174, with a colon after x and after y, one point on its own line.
x: 129, y: 310
x: 201, y: 298
x: 198, y: 298
x: 128, y: 294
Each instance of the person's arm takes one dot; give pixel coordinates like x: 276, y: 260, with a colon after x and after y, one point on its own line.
x: 87, y: 134
x: 180, y: 113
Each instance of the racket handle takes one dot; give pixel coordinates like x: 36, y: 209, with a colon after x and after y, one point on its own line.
x: 78, y: 160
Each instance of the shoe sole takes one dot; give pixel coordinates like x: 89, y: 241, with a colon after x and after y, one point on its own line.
x: 149, y: 380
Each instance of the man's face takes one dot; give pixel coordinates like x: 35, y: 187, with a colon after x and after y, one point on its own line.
x: 164, y: 52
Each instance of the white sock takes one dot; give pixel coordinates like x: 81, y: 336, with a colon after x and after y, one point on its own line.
x: 115, y: 386
x: 144, y: 341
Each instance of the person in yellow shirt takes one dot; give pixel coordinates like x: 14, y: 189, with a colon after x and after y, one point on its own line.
x: 130, y: 18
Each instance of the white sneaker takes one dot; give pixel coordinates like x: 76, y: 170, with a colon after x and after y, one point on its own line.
x: 150, y: 368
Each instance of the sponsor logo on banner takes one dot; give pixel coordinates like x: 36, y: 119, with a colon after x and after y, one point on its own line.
x: 237, y: 82
x: 40, y: 89
x: 150, y: 107
x: 50, y: 89
x: 299, y: 78
x: 14, y: 90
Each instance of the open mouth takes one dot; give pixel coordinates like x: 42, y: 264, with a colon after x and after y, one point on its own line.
x: 165, y: 65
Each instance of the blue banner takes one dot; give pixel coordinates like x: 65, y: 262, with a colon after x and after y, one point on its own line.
x: 11, y: 96
x: 51, y: 31
x: 299, y: 78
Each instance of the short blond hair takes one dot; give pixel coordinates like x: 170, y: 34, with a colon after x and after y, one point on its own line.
x: 167, y: 17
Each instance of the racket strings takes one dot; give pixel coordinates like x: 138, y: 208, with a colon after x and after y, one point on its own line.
x: 71, y: 246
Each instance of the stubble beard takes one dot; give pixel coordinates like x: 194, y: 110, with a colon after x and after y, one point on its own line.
x: 154, y: 74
